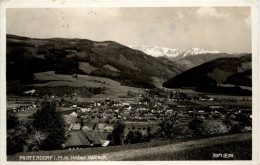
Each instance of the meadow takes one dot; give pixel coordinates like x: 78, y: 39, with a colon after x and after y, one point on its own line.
x: 228, y: 151
x: 114, y: 88
x: 175, y: 149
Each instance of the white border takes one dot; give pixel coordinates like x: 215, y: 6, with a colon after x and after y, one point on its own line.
x: 254, y: 4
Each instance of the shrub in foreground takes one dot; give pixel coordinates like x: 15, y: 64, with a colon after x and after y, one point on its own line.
x: 134, y: 137
x: 16, y: 139
x: 35, y: 141
x: 168, y: 124
x: 213, y: 128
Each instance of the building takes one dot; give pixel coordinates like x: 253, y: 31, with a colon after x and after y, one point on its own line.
x: 77, y: 139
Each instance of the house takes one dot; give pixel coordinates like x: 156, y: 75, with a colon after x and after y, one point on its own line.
x: 93, y: 138
x: 103, y: 135
x: 125, y: 104
x: 30, y: 91
x: 86, y: 128
x: 76, y: 126
x: 89, y: 125
x: 74, y: 106
x: 77, y: 139
x: 104, y: 143
x: 108, y: 128
x: 101, y: 126
x: 85, y: 109
x: 69, y: 119
x: 216, y: 107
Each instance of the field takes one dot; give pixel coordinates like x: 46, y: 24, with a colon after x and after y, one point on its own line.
x: 177, y: 149
x: 86, y: 67
x: 16, y: 101
x: 238, y: 103
x: 23, y: 115
x: 230, y: 85
x: 114, y: 88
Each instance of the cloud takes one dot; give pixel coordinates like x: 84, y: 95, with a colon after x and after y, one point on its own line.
x: 180, y: 28
x: 210, y: 12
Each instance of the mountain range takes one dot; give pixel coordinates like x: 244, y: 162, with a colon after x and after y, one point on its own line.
x: 188, y: 58
x: 26, y: 56
x: 197, y: 68
x: 174, y: 54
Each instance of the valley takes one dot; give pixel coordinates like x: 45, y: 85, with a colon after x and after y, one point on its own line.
x: 100, y: 88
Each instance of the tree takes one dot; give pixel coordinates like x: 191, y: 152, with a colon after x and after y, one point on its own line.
x: 236, y: 128
x: 16, y: 134
x: 167, y: 125
x: 49, y: 121
x: 227, y: 121
x: 16, y: 139
x: 133, y: 137
x: 244, y: 120
x: 118, y: 133
x: 195, y: 124
x: 12, y: 120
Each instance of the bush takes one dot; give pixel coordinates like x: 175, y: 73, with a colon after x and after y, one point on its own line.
x: 167, y: 125
x: 49, y: 121
x: 213, y: 128
x: 134, y: 137
x: 35, y: 141
x: 236, y: 128
x: 118, y: 134
x: 194, y: 125
x: 16, y: 139
x: 12, y: 120
x: 182, y: 132
x: 16, y: 134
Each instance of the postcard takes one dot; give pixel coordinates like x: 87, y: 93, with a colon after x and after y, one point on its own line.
x: 129, y: 82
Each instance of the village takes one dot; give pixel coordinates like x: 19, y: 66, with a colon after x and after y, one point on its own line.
x: 90, y: 123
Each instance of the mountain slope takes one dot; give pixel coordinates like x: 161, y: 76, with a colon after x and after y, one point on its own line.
x: 109, y: 59
x: 195, y: 60
x: 208, y: 76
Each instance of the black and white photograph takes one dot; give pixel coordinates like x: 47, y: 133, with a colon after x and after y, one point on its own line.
x: 129, y: 83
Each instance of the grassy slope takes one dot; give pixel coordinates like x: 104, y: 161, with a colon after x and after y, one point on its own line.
x: 26, y: 56
x: 158, y: 150
x: 239, y: 151
x: 208, y: 76
x: 150, y: 153
x: 114, y: 88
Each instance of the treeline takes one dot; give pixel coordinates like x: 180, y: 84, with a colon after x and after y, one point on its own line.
x: 68, y: 91
x: 23, y: 61
x: 21, y: 64
x: 171, y: 128
x: 243, y: 78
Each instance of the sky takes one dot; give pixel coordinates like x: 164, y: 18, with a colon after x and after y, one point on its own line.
x: 226, y: 29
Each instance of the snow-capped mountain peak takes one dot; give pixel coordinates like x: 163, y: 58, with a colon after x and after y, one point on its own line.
x: 195, y: 51
x: 157, y: 51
